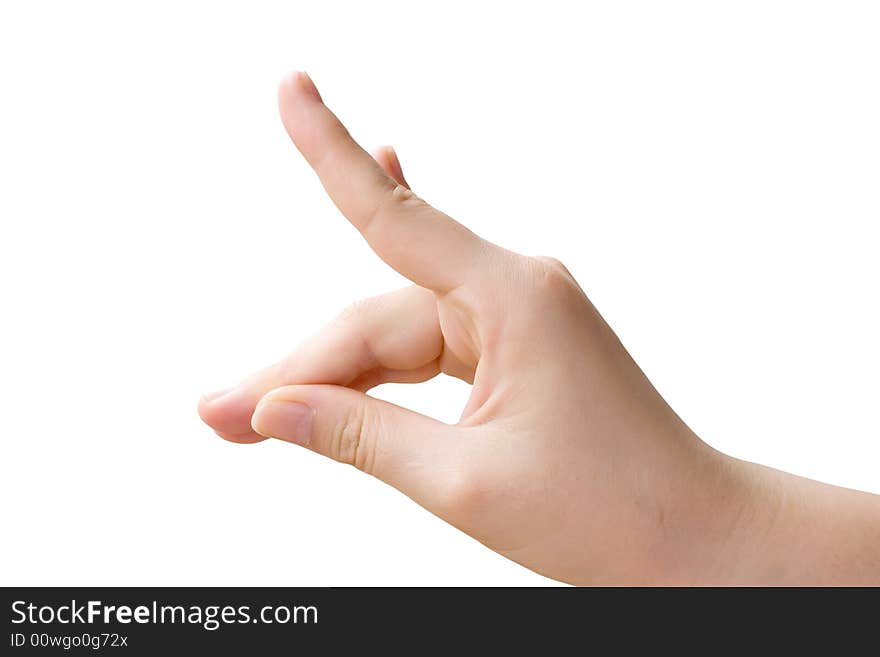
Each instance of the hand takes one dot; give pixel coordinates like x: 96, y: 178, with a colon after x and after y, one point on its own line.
x: 565, y: 459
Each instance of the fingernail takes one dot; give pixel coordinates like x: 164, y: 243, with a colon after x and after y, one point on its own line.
x: 290, y: 421
x: 211, y: 396
x: 307, y: 85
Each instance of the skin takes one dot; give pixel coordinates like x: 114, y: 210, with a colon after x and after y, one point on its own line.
x: 566, y: 459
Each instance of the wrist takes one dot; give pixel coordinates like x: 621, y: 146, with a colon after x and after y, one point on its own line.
x: 719, y: 516
x: 742, y: 524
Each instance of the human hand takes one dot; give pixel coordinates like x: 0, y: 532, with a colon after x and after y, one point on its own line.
x: 566, y: 459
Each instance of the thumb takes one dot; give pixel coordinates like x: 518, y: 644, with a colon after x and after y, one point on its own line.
x: 409, y: 451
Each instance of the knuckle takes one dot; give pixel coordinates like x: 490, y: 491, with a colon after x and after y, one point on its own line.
x: 382, y: 228
x: 352, y: 439
x: 551, y: 278
x: 356, y: 310
x: 396, y: 199
x: 354, y: 325
x: 402, y: 195
x: 554, y: 263
x: 466, y: 494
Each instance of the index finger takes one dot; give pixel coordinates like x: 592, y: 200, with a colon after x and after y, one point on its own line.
x: 423, y: 244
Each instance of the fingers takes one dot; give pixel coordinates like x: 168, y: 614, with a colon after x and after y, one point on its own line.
x: 387, y: 158
x: 421, y: 243
x: 392, y: 338
x: 413, y: 453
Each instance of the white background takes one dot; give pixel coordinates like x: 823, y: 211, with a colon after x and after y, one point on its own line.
x: 708, y: 171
